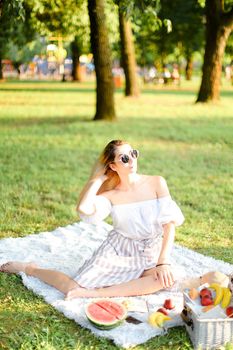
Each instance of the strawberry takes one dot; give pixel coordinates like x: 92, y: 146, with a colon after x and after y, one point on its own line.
x: 229, y: 311
x: 168, y: 304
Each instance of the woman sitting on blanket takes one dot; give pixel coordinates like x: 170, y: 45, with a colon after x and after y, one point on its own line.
x: 135, y: 259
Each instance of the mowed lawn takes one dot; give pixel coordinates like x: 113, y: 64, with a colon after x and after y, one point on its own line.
x: 48, y: 143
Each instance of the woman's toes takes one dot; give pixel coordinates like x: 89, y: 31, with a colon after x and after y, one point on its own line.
x: 15, y: 267
x: 3, y: 268
x: 11, y: 267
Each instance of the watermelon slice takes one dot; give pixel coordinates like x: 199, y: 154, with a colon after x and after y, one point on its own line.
x: 105, y: 314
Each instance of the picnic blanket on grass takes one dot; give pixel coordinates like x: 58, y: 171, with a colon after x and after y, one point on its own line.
x: 66, y: 248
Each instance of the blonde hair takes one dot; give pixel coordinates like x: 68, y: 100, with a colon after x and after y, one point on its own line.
x: 102, y: 167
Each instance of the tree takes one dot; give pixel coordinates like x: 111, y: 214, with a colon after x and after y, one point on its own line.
x: 68, y: 18
x: 64, y: 19
x: 131, y: 9
x: 105, y: 108
x: 187, y: 34
x: 146, y: 27
x: 128, y: 55
x: 219, y: 24
x: 76, y: 49
x: 11, y: 15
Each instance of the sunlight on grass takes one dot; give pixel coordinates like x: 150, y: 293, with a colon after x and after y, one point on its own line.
x: 48, y: 144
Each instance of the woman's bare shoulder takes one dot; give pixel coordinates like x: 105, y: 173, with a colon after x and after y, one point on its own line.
x: 155, y: 183
x: 157, y: 180
x: 160, y: 185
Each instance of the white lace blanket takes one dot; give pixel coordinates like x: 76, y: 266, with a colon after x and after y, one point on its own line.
x: 66, y: 248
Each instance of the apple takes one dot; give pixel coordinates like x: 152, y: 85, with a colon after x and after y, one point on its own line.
x: 205, y: 292
x: 168, y: 304
x: 206, y: 300
x: 163, y: 311
x: 229, y: 311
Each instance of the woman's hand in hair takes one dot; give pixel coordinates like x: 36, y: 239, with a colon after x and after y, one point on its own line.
x: 99, y: 171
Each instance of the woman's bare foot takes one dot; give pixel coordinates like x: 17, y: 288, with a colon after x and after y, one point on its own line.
x: 80, y: 292
x: 16, y: 267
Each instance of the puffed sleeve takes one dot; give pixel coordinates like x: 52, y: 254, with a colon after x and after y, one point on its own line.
x: 103, y: 209
x: 169, y: 211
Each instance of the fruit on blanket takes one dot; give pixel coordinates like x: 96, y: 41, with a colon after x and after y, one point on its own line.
x: 163, y: 311
x: 193, y: 293
x: 205, y: 292
x: 206, y: 297
x: 206, y: 300
x: 157, y: 319
x: 218, y: 291
x: 229, y: 311
x: 105, y: 314
x: 168, y: 304
x: 226, y: 297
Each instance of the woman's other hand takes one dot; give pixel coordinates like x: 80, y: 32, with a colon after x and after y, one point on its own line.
x: 165, y: 276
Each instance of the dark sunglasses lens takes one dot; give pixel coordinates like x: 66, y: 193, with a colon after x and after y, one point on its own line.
x: 134, y: 153
x: 125, y: 158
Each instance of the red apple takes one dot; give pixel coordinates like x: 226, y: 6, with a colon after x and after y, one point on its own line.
x: 205, y: 292
x: 163, y: 311
x: 206, y: 300
x: 229, y: 311
x: 168, y: 304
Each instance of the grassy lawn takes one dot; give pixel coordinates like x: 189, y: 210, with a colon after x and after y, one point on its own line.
x: 48, y: 142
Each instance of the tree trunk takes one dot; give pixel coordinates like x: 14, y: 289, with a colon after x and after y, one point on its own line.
x: 212, y: 67
x: 189, y: 67
x: 76, y: 53
x: 218, y: 28
x: 105, y: 108
x: 1, y: 72
x: 128, y: 56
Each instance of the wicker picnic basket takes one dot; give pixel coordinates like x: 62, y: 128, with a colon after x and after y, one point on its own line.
x: 206, y: 333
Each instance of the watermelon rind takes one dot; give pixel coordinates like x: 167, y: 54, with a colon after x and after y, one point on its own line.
x: 105, y: 325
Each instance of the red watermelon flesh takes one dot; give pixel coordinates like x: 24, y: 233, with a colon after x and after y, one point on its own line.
x: 99, y: 314
x: 105, y: 314
x: 113, y: 308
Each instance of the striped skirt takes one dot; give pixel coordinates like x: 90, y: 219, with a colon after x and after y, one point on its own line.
x: 118, y: 259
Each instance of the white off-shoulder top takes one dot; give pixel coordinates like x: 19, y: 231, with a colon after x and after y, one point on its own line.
x: 137, y: 220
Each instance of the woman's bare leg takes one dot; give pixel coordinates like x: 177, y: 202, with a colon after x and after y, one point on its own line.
x: 56, y: 279
x: 140, y: 286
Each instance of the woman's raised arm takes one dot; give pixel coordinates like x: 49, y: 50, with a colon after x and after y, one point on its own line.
x: 86, y: 204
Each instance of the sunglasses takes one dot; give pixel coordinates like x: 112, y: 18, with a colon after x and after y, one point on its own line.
x: 134, y: 153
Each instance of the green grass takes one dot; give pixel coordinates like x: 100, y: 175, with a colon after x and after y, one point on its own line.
x: 48, y: 142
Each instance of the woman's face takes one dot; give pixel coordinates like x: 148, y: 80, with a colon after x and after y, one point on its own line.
x: 125, y: 159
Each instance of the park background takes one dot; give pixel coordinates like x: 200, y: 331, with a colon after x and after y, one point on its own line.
x: 55, y: 120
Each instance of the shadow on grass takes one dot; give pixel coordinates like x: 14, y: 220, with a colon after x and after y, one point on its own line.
x: 27, y: 122
x: 75, y: 89
x: 168, y: 92
x: 40, y: 89
x: 156, y: 92
x: 186, y: 130
x: 181, y: 92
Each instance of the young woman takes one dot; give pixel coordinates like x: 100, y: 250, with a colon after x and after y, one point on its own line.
x: 135, y: 257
